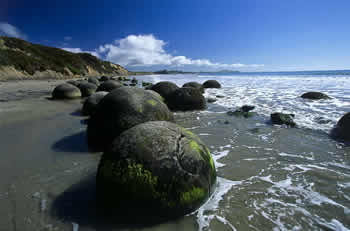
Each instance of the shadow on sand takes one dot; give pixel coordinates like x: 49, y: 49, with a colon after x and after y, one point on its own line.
x: 72, y: 143
x: 78, y: 204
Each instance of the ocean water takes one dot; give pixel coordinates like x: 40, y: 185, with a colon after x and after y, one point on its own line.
x: 272, y: 177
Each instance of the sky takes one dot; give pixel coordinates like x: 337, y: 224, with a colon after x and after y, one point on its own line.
x: 190, y: 35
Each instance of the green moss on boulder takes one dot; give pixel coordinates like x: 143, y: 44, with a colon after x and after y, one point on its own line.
x: 155, y: 169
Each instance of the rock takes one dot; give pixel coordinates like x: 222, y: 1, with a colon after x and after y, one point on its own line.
x: 155, y: 170
x: 93, y: 80
x: 240, y: 113
x: 247, y: 108
x: 211, y: 84
x: 120, y: 110
x: 164, y: 88
x: 322, y: 120
x: 342, y: 130
x: 90, y: 104
x: 132, y: 84
x: 66, y: 91
x: 314, y: 95
x: 134, y: 81
x: 109, y: 85
x: 156, y: 95
x: 281, y: 118
x: 87, y: 88
x: 211, y: 100
x: 73, y: 82
x: 220, y: 96
x: 147, y: 84
x: 194, y: 85
x: 186, y: 99
x: 104, y: 78
x: 122, y: 78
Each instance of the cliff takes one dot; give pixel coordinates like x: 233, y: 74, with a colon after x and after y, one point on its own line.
x: 20, y: 59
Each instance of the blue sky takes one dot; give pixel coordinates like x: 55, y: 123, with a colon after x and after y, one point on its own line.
x: 245, y: 35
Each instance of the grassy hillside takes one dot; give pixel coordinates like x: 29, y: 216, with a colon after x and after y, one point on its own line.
x: 29, y: 58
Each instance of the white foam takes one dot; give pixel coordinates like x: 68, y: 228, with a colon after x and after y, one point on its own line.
x: 207, y: 212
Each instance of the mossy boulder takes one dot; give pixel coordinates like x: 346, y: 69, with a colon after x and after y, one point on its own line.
x: 281, y: 118
x: 194, y: 85
x: 120, y: 110
x: 342, y: 130
x: 90, y: 104
x: 314, y: 95
x: 109, y: 85
x: 155, y: 170
x: 93, y: 80
x: 87, y: 88
x: 186, y: 99
x: 211, y: 84
x: 66, y: 91
x: 134, y: 81
x: 164, y: 88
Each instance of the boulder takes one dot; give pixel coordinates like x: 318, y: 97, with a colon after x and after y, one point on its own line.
x: 90, y: 104
x: 342, y: 130
x: 122, y: 109
x: 281, y: 118
x: 87, y: 88
x: 247, y: 108
x: 186, y: 99
x: 73, y: 82
x: 104, y: 78
x: 66, y: 91
x: 194, y: 85
x: 155, y: 170
x: 164, y: 88
x: 109, y: 85
x: 93, y: 80
x: 211, y: 84
x: 134, y: 81
x: 314, y: 95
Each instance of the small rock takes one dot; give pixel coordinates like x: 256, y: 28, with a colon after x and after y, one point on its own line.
x: 211, y: 100
x: 281, y: 118
x: 314, y: 95
x: 220, y: 96
x: 247, y: 108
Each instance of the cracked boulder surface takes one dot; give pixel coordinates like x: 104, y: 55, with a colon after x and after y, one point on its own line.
x: 120, y: 110
x: 155, y: 170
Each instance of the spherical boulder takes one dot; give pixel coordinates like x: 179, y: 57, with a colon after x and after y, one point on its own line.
x: 93, y: 80
x: 342, y: 129
x: 186, y: 99
x: 314, y: 95
x: 164, y: 88
x: 66, y: 91
x: 90, y: 104
x: 109, y: 85
x: 211, y: 84
x: 104, y: 78
x: 73, y: 82
x: 87, y: 88
x: 155, y: 169
x: 194, y: 85
x: 120, y: 110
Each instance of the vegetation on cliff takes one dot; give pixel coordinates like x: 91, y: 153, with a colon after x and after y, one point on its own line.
x: 29, y: 58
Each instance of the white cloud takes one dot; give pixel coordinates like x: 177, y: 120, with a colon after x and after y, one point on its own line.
x: 78, y: 50
x: 146, y: 50
x: 12, y: 31
x: 67, y: 38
